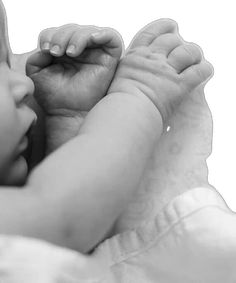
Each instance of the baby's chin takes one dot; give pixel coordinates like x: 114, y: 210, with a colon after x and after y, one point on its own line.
x: 17, y: 172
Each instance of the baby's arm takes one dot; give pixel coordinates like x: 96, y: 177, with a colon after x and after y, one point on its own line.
x: 36, y: 147
x: 76, y: 194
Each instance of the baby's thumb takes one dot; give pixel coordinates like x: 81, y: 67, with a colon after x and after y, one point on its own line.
x: 37, y: 61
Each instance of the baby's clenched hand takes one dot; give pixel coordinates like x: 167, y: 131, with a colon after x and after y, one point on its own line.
x: 160, y: 65
x: 74, y: 67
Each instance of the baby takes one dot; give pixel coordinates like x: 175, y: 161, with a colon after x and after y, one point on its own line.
x: 74, y: 196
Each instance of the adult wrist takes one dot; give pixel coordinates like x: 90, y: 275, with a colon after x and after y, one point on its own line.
x: 62, y: 128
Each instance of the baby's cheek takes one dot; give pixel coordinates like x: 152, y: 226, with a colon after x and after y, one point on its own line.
x: 8, y: 128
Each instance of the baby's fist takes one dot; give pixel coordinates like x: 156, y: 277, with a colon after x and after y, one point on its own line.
x: 74, y: 67
x: 162, y: 66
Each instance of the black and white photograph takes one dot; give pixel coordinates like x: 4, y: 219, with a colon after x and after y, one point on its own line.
x: 117, y: 141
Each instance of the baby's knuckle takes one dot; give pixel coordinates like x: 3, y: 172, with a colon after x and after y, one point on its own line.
x: 197, y: 48
x: 147, y: 36
x: 139, y: 51
x: 193, y: 51
x: 58, y: 36
x: 89, y: 29
x: 107, y: 29
x: 169, y: 36
x: 71, y: 25
x: 46, y: 32
x: 198, y: 73
x: 168, y: 21
x: 163, y: 69
x: 210, y: 68
x: 113, y: 32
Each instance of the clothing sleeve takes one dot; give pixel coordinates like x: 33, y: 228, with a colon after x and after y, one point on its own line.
x: 29, y: 260
x: 192, y: 240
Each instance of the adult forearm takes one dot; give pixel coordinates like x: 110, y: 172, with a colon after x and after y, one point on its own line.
x: 60, y: 129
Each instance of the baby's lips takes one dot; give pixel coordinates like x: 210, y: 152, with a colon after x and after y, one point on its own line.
x: 28, y: 118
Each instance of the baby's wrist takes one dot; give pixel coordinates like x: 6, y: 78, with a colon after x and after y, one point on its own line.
x: 148, y: 107
x: 135, y: 92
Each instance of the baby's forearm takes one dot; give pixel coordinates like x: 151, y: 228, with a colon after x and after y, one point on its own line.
x: 94, y: 175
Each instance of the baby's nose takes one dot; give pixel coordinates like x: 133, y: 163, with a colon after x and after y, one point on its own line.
x: 23, y: 87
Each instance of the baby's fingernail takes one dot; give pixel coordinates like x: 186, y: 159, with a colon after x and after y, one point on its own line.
x: 71, y: 49
x: 55, y: 49
x: 46, y: 46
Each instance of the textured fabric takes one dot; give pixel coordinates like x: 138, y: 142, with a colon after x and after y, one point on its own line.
x: 193, y: 239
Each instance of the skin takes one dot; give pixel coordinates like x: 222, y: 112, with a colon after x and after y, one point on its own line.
x: 78, y: 211
x: 185, y: 143
x: 65, y: 200
x: 157, y: 187
x: 16, y: 117
x: 178, y: 162
x: 57, y: 124
x: 84, y: 73
x: 90, y: 64
x: 175, y: 40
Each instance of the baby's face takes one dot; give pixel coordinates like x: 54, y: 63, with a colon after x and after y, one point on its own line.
x: 15, y: 117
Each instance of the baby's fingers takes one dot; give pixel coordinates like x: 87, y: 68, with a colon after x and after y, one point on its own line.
x: 45, y: 38
x: 197, y: 74
x: 107, y: 39
x: 55, y: 40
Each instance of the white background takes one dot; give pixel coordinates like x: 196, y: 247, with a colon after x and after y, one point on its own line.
x: 210, y: 24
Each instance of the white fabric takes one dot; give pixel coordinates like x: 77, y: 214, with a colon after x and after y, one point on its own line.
x: 192, y: 240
